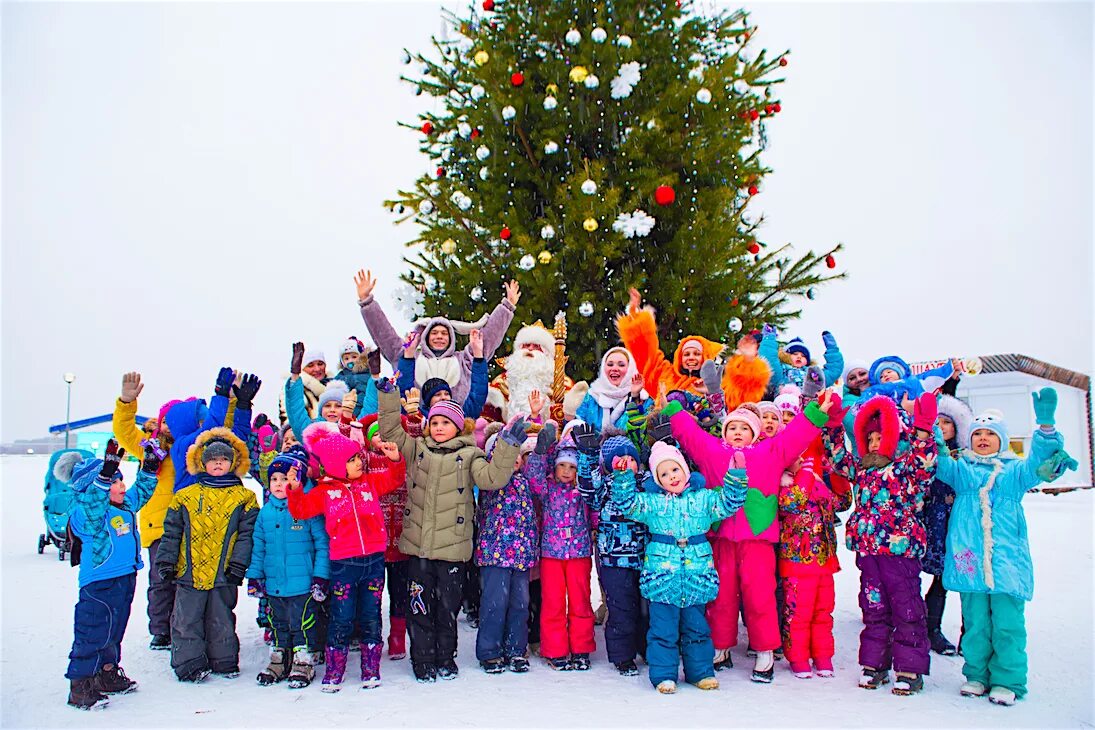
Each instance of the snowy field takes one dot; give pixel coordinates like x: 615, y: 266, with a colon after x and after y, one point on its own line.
x: 39, y: 593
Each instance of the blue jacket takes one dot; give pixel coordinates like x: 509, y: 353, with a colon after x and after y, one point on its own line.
x: 913, y: 386
x: 989, y: 553
x: 297, y: 409
x: 287, y: 553
x: 591, y: 412
x: 110, y: 530
x: 364, y: 385
x: 187, y: 420
x: 621, y: 543
x: 679, y: 576
x: 785, y: 373
x: 477, y: 393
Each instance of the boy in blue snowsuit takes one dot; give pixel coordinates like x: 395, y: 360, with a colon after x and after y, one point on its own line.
x: 104, y: 517
x: 799, y: 356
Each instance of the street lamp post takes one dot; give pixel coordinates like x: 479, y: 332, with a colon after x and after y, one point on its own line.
x: 69, y: 377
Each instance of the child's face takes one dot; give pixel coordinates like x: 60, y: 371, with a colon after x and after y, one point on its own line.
x: 692, y: 358
x: 874, y: 442
x: 565, y: 473
x: 771, y: 422
x: 376, y: 441
x: 279, y: 485
x: 442, y: 429
x: 317, y: 369
x: 946, y: 427
x: 331, y: 411
x: 889, y: 376
x: 438, y: 338
x: 349, y: 358
x: 738, y: 434
x: 355, y: 467
x: 787, y: 416
x: 671, y: 477
x: 117, y: 491
x: 217, y: 466
x: 290, y: 439
x: 438, y: 397
x: 985, y: 442
x: 519, y: 464
x: 798, y: 360
x: 615, y: 367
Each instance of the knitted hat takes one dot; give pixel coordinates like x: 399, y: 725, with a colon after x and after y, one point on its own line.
x: 797, y: 345
x: 333, y: 450
x: 352, y: 345
x: 372, y: 430
x: 742, y: 415
x: 614, y: 446
x: 662, y: 451
x: 451, y: 410
x: 282, y: 463
x: 767, y: 406
x: 567, y: 452
x: 336, y: 390
x: 993, y: 420
x: 432, y: 387
x: 217, y: 449
x: 850, y: 365
x: 789, y: 399
x: 889, y: 362
x: 311, y: 356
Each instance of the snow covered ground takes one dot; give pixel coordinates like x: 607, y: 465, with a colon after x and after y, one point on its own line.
x: 39, y: 593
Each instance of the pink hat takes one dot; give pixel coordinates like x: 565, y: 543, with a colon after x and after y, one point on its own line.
x: 323, y: 441
x: 662, y: 451
x: 742, y: 415
x: 789, y: 399
x: 449, y: 409
x: 767, y: 406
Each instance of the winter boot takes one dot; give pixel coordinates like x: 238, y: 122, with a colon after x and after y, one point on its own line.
x: 493, y: 666
x: 160, y: 642
x: 580, y: 662
x: 973, y: 689
x: 83, y: 695
x: 424, y: 672
x: 275, y: 671
x: 723, y: 660
x: 517, y: 665
x: 628, y: 668
x: 801, y: 670
x: 1002, y: 696
x: 667, y: 687
x: 764, y: 669
x: 397, y: 639
x: 824, y: 668
x: 196, y: 675
x: 336, y: 669
x: 370, y: 665
x: 561, y: 664
x: 940, y: 644
x: 874, y: 678
x: 113, y: 681
x: 908, y: 684
x: 303, y: 671
x: 447, y: 669
x: 708, y: 683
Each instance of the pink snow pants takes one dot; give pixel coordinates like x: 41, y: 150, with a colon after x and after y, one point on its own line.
x: 747, y: 574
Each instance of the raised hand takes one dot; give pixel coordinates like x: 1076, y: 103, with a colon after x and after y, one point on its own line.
x: 514, y: 434
x: 634, y: 300
x: 475, y: 343
x: 513, y: 292
x: 410, y: 344
x: 153, y: 456
x: 925, y: 413
x: 389, y: 449
x: 658, y: 428
x: 293, y: 478
x: 131, y: 387
x: 349, y: 404
x: 374, y: 362
x: 365, y: 284
x: 535, y: 402
x: 587, y: 438
x: 711, y: 374
x: 246, y: 391
x: 225, y: 377
x: 297, y: 363
x: 637, y: 384
x: 112, y: 459
x: 1045, y: 406
x: 908, y: 403
x: 813, y: 383
x: 545, y: 439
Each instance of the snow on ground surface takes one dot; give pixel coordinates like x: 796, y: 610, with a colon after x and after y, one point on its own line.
x: 39, y: 593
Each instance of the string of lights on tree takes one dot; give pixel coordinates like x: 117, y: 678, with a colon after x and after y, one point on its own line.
x: 586, y: 147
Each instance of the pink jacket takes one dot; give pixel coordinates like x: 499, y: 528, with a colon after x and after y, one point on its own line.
x: 765, y: 462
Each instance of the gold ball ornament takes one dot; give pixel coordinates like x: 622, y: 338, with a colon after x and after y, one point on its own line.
x: 590, y: 224
x: 544, y: 257
x: 448, y: 247
x: 552, y: 89
x: 481, y: 58
x: 578, y: 74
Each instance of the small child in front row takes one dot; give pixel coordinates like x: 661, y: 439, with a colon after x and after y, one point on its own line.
x: 289, y: 567
x: 678, y: 575
x: 988, y: 556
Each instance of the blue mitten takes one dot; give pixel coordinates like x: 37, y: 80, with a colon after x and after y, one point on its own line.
x: 1045, y: 406
x: 828, y: 339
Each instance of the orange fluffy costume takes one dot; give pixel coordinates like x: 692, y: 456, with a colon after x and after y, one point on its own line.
x: 744, y: 379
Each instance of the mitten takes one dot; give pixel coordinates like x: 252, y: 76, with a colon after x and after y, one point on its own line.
x: 545, y: 439
x: 319, y: 589
x: 768, y: 331
x: 153, y: 456
x: 1056, y: 465
x: 297, y: 362
x: 223, y: 386
x: 267, y: 438
x: 672, y: 409
x: 925, y: 412
x: 658, y: 428
x: 711, y: 374
x: 587, y: 438
x: 813, y: 383
x: 166, y: 572
x: 234, y: 575
x: 828, y: 340
x: 112, y: 459
x: 256, y: 587
x: 514, y: 434
x: 385, y: 385
x: 677, y: 396
x: 836, y: 411
x: 374, y: 363
x: 246, y: 391
x: 1045, y: 406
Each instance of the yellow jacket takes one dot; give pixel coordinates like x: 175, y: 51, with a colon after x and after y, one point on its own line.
x: 129, y: 437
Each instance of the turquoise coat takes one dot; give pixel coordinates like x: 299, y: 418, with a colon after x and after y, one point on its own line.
x: 992, y: 555
x: 287, y: 553
x: 680, y: 576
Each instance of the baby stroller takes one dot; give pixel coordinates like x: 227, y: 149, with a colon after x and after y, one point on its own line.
x: 56, y: 507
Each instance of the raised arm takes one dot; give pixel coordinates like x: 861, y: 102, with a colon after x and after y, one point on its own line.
x: 296, y: 408
x: 494, y: 473
x: 124, y: 423
x: 477, y: 394
x: 769, y: 350
x: 834, y: 359
x: 639, y: 333
x: 788, y: 444
x: 380, y: 329
x: 494, y: 331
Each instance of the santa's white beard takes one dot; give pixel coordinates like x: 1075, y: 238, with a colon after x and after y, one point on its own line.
x: 527, y: 371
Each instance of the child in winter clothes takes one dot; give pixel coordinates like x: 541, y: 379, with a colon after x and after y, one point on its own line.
x: 331, y: 401
x: 444, y: 465
x: 988, y: 557
x: 435, y: 388
x: 347, y: 495
x: 954, y: 426
x: 807, y: 562
x: 506, y: 549
x: 891, y: 376
x: 620, y: 546
x: 744, y: 546
x: 206, y: 549
x: 566, y: 550
x: 678, y: 575
x: 887, y: 535
x: 289, y: 566
x: 799, y: 356
x: 103, y: 516
x: 355, y: 366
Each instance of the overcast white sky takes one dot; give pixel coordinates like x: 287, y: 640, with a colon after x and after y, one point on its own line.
x: 191, y: 185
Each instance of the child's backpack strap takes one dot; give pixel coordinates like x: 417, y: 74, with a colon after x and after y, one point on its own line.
x: 75, y: 547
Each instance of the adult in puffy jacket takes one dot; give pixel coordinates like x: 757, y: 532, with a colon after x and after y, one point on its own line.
x: 988, y: 556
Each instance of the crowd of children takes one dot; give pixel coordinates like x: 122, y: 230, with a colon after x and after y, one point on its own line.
x: 718, y: 496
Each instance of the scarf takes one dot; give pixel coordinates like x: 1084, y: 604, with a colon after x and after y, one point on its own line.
x: 227, y: 480
x: 613, y: 398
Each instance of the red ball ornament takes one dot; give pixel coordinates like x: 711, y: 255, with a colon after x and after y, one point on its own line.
x: 768, y: 109
x: 505, y: 233
x: 488, y: 5
x: 754, y: 248
x: 783, y: 62
x: 734, y: 302
x: 753, y: 190
x: 777, y: 108
x: 754, y: 114
x: 427, y: 128
x: 830, y: 261
x: 517, y: 78
x: 441, y: 172
x: 475, y: 134
x: 664, y: 195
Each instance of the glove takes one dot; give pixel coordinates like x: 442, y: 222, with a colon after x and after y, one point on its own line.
x: 234, y: 575
x: 112, y: 459
x: 514, y: 434
x: 166, y: 572
x: 319, y: 589
x: 1045, y: 406
x: 813, y: 383
x: 260, y: 421
x: 256, y: 588
x: 374, y: 366
x: 925, y: 412
x: 711, y: 373
x: 224, y: 382
x: 245, y: 392
x: 678, y: 396
x: 587, y: 438
x: 297, y: 362
x: 153, y: 455
x: 672, y: 409
x: 657, y: 428
x: 837, y: 411
x: 545, y: 439
x: 768, y: 331
x: 385, y: 385
x: 828, y: 340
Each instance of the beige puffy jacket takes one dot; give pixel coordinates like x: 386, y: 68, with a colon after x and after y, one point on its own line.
x: 438, y: 519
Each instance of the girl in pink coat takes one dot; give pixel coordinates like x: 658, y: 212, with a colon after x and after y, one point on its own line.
x: 744, y: 545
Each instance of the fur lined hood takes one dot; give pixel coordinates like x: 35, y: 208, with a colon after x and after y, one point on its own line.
x: 878, y: 412
x: 962, y: 416
x: 241, y: 464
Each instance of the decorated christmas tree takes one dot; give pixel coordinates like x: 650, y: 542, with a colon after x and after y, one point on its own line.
x: 583, y: 148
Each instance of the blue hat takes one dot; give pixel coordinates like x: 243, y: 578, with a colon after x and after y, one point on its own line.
x: 993, y: 420
x: 296, y: 456
x: 797, y: 345
x: 432, y: 387
x: 85, y: 473
x: 614, y: 446
x: 888, y: 362
x: 335, y: 391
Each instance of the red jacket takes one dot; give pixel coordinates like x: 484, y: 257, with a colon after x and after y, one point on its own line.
x: 354, y: 518
x: 395, y: 502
